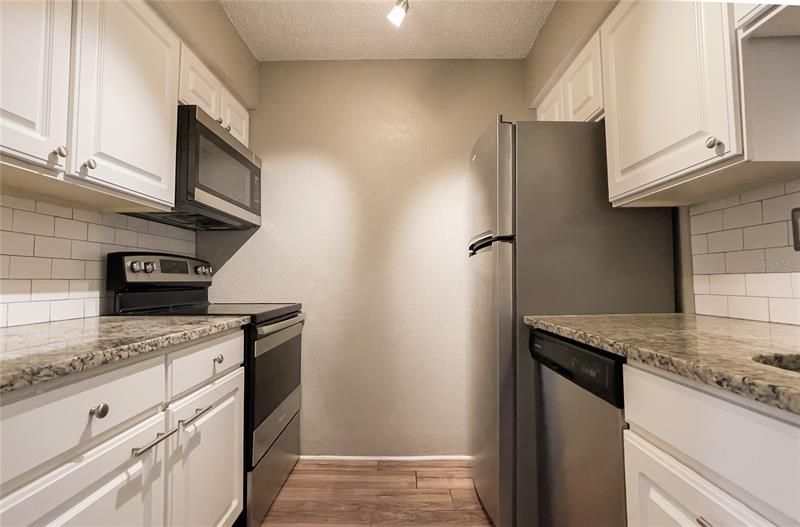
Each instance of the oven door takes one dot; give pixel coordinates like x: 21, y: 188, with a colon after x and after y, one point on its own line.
x: 275, y: 376
x: 215, y: 170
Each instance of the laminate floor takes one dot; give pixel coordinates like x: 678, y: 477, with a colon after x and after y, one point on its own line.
x: 378, y: 493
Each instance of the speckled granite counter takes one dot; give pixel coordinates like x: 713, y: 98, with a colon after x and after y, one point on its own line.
x: 36, y: 353
x: 712, y: 350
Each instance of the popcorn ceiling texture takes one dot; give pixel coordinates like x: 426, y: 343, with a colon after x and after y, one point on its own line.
x: 354, y: 30
x: 743, y: 261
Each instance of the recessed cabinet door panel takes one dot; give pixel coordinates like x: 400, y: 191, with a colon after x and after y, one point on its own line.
x: 669, y: 91
x: 34, y: 79
x: 235, y: 117
x: 206, y: 463
x: 583, y: 84
x: 552, y: 106
x: 198, y: 85
x: 127, y: 87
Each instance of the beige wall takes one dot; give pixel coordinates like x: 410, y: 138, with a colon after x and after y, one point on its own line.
x: 203, y: 25
x: 569, y: 26
x: 364, y: 212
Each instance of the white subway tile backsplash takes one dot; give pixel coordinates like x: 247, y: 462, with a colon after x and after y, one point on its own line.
x: 33, y: 223
x: 763, y: 193
x: 783, y: 310
x: 726, y: 284
x: 745, y: 261
x: 776, y: 285
x: 709, y: 222
x: 71, y: 229
x: 717, y: 204
x: 741, y: 216
x: 15, y: 243
x: 783, y: 260
x: 700, y: 244
x: 701, y: 284
x: 52, y: 247
x: 711, y: 305
x: 780, y: 209
x: 709, y: 263
x: 793, y: 186
x: 52, y: 257
x: 747, y: 307
x: 725, y: 241
x: 29, y: 267
x: 767, y: 235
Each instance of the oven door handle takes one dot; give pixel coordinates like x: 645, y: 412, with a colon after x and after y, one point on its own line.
x: 273, y: 335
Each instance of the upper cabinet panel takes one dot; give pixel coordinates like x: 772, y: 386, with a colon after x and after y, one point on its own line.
x: 34, y: 80
x: 235, y: 117
x: 552, y: 106
x: 583, y: 84
x: 198, y: 85
x: 126, y: 90
x: 669, y: 91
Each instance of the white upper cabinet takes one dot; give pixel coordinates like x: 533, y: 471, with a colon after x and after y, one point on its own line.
x: 669, y: 87
x: 583, y: 84
x: 126, y: 88
x: 198, y: 85
x: 552, y: 106
x: 235, y: 117
x: 34, y: 80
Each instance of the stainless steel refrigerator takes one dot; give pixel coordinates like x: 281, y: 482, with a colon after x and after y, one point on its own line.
x: 546, y: 241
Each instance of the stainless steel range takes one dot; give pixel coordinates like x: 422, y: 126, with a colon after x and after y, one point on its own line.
x: 167, y: 284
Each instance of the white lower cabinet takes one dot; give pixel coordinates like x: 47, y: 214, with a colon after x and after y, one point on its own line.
x: 660, y: 491
x: 108, y: 485
x: 205, y: 463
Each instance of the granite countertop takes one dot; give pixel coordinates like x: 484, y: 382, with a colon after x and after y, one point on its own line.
x: 36, y: 353
x: 712, y: 350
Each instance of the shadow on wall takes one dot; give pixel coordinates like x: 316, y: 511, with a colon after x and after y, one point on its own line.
x: 219, y: 246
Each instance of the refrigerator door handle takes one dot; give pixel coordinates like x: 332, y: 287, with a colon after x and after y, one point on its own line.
x: 486, y: 239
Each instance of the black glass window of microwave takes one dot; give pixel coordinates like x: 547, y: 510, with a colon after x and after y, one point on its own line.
x: 174, y: 267
x: 224, y: 175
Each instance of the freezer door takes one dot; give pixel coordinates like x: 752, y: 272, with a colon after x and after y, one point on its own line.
x: 490, y: 256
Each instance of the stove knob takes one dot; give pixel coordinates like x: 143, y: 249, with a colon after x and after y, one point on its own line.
x: 209, y: 269
x: 149, y: 267
x: 137, y: 266
x: 200, y: 269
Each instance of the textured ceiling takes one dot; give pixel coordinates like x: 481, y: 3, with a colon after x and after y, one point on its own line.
x: 358, y: 29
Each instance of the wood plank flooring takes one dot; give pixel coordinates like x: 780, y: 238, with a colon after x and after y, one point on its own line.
x: 378, y: 493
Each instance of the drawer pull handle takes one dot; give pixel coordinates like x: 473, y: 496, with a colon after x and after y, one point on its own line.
x: 99, y: 411
x: 198, y: 412
x: 219, y: 359
x: 702, y: 522
x: 161, y: 436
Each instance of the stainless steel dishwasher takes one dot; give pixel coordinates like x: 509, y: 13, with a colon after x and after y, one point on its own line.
x: 580, y: 419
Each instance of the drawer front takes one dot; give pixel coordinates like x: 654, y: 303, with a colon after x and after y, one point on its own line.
x: 661, y: 491
x: 105, y: 486
x: 37, y: 429
x: 202, y: 362
x: 755, y: 453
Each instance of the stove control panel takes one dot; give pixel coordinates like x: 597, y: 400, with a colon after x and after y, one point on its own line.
x: 126, y: 268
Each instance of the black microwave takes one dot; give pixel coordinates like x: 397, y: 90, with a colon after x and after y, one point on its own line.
x: 217, y: 179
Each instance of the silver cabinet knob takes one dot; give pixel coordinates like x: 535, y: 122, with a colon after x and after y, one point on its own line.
x: 91, y: 163
x: 219, y: 120
x: 228, y: 128
x: 61, y: 151
x: 219, y: 359
x: 99, y: 411
x: 712, y: 142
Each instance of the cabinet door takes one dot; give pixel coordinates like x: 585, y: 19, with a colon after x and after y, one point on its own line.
x: 198, y: 85
x: 583, y: 84
x: 235, y: 117
x: 126, y: 86
x: 669, y: 91
x: 552, y: 106
x: 661, y: 491
x: 206, y: 461
x: 107, y: 485
x: 34, y: 79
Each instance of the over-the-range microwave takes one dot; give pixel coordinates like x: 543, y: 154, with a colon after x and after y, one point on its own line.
x: 217, y: 180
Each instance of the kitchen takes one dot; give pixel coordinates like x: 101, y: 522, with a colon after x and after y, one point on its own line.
x: 320, y: 184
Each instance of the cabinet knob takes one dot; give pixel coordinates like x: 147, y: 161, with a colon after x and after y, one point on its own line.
x: 219, y: 120
x: 91, y: 163
x: 61, y: 151
x: 228, y: 128
x: 712, y: 142
x: 218, y: 359
x: 99, y: 411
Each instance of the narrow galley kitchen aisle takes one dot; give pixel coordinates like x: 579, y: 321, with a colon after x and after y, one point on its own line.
x: 367, y: 492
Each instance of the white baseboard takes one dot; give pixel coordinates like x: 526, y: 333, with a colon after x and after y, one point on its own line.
x: 388, y: 458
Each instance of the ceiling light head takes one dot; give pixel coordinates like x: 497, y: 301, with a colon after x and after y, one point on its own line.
x: 398, y: 12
